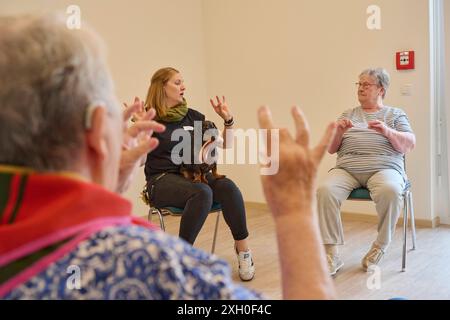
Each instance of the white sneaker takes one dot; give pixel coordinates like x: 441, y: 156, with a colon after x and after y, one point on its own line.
x: 334, y: 263
x: 372, y: 258
x: 246, y: 265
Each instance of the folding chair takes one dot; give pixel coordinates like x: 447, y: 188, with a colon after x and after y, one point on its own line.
x: 363, y: 194
x: 175, y: 211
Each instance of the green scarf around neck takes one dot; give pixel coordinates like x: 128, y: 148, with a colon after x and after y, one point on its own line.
x: 174, y: 114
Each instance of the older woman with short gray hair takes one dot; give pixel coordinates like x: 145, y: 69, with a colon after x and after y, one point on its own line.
x: 371, y: 141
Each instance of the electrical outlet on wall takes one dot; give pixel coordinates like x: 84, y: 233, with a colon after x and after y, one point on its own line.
x: 406, y: 89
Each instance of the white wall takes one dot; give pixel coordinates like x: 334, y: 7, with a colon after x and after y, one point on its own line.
x: 275, y: 52
x: 310, y: 53
x: 141, y: 36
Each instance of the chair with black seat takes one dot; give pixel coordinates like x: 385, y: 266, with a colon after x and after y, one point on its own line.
x: 177, y: 212
x: 363, y: 194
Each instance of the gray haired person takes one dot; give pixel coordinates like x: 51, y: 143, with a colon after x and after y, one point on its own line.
x: 371, y: 141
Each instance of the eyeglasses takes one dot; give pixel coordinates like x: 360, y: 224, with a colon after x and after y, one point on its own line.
x: 365, y: 85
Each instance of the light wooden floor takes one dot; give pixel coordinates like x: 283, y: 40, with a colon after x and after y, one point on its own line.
x: 428, y: 267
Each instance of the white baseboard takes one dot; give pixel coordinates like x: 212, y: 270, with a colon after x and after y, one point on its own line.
x: 355, y: 216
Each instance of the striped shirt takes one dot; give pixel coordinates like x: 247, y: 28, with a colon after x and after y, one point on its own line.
x: 364, y: 150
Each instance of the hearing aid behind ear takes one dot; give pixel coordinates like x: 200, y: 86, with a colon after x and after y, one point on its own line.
x: 90, y: 111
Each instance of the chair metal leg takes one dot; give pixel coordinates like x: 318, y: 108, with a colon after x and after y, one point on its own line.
x: 163, y: 227
x: 149, y: 217
x: 213, y: 248
x: 160, y: 216
x: 405, y: 229
x: 413, y: 222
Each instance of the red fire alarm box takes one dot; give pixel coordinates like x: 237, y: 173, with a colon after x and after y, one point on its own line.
x: 405, y: 60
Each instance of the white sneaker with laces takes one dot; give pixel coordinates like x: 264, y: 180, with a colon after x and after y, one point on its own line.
x: 246, y: 265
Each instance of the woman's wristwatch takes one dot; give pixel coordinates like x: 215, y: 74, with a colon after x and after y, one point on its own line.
x: 229, y: 123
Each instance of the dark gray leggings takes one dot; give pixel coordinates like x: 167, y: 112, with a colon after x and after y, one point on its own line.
x: 196, y: 199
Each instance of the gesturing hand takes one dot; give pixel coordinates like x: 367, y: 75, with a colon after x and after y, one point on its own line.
x: 343, y: 125
x: 221, y: 108
x: 138, y: 141
x: 139, y: 112
x: 378, y: 126
x: 293, y: 185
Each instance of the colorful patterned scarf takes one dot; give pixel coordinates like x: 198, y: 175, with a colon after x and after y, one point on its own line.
x: 45, y: 216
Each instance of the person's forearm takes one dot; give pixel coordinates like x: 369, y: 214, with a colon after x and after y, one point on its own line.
x: 228, y: 137
x: 402, y: 142
x: 127, y: 172
x: 304, y: 272
x: 336, y: 143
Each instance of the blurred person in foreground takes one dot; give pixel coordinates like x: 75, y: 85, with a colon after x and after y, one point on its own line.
x: 65, y: 154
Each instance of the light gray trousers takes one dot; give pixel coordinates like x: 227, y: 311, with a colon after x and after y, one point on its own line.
x: 386, y: 189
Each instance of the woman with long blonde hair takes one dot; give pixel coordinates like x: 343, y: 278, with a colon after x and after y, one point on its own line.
x: 168, y: 187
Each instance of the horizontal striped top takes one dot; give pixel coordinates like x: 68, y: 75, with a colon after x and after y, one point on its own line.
x: 364, y: 150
